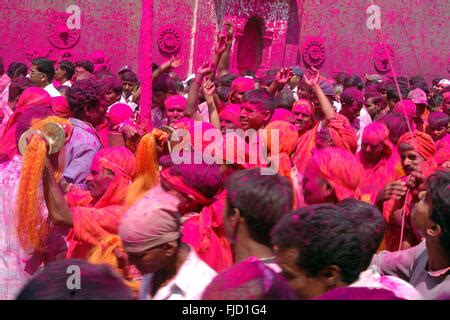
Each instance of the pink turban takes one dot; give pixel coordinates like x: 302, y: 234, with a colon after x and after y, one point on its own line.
x: 175, y: 100
x: 119, y: 112
x: 406, y: 106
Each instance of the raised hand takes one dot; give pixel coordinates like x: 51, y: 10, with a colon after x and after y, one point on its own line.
x: 228, y: 28
x: 172, y: 63
x: 208, y: 87
x: 311, y: 77
x: 283, y: 76
x: 395, y: 190
x: 205, y: 69
x: 221, y: 44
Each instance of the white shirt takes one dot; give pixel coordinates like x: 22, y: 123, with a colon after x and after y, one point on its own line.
x: 128, y: 101
x: 67, y: 83
x: 188, y: 284
x: 52, y: 90
x: 364, y: 120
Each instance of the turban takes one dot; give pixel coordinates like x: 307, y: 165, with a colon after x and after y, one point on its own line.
x: 420, y: 141
x: 151, y: 222
x: 241, y: 84
x: 406, y: 106
x: 175, y: 100
x: 418, y: 96
x: 119, y: 112
x: 339, y: 168
x: 342, y: 133
x: 61, y: 107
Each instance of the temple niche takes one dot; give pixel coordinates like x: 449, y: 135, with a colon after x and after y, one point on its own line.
x: 261, y: 33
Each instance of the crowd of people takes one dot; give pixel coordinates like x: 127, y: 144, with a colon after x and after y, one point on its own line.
x: 356, y: 204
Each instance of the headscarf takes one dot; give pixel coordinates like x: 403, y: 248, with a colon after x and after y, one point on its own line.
x: 287, y: 141
x: 30, y: 97
x: 421, y: 142
x: 339, y: 168
x: 122, y: 162
x: 286, y: 144
x: 150, y: 222
x: 342, y: 133
x: 307, y: 106
x: 61, y: 107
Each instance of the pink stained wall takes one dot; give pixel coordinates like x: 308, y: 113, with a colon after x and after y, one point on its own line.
x: 416, y: 30
x: 109, y: 26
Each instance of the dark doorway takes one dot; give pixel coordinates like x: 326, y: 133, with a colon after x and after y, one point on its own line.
x: 250, y: 46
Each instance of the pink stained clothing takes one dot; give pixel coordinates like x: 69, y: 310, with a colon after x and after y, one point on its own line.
x: 305, y: 146
x: 375, y: 177
x: 204, y: 231
x: 92, y: 223
x: 117, y: 113
x: 31, y: 97
x: 17, y: 265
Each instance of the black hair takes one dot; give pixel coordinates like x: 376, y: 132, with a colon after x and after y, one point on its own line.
x: 323, y: 238
x: 353, y: 81
x: 226, y: 80
x: 2, y: 67
x: 24, y: 121
x: 285, y: 100
x: 419, y: 82
x: 261, y: 98
x: 129, y: 76
x: 45, y: 66
x: 85, y: 93
x: 112, y: 84
x: 17, y: 87
x: 86, y: 65
x: 164, y: 83
x: 439, y: 192
x: 369, y: 225
x: 17, y: 69
x: 261, y: 199
x: 68, y: 67
x: 392, y: 93
x: 98, y: 282
x: 436, y: 81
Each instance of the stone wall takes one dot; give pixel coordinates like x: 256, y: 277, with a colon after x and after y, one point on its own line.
x: 31, y: 28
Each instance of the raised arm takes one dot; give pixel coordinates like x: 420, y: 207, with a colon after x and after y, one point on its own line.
x: 282, y: 77
x: 58, y: 209
x: 224, y: 62
x: 192, y: 100
x: 170, y: 64
x: 209, y: 89
x: 311, y: 78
